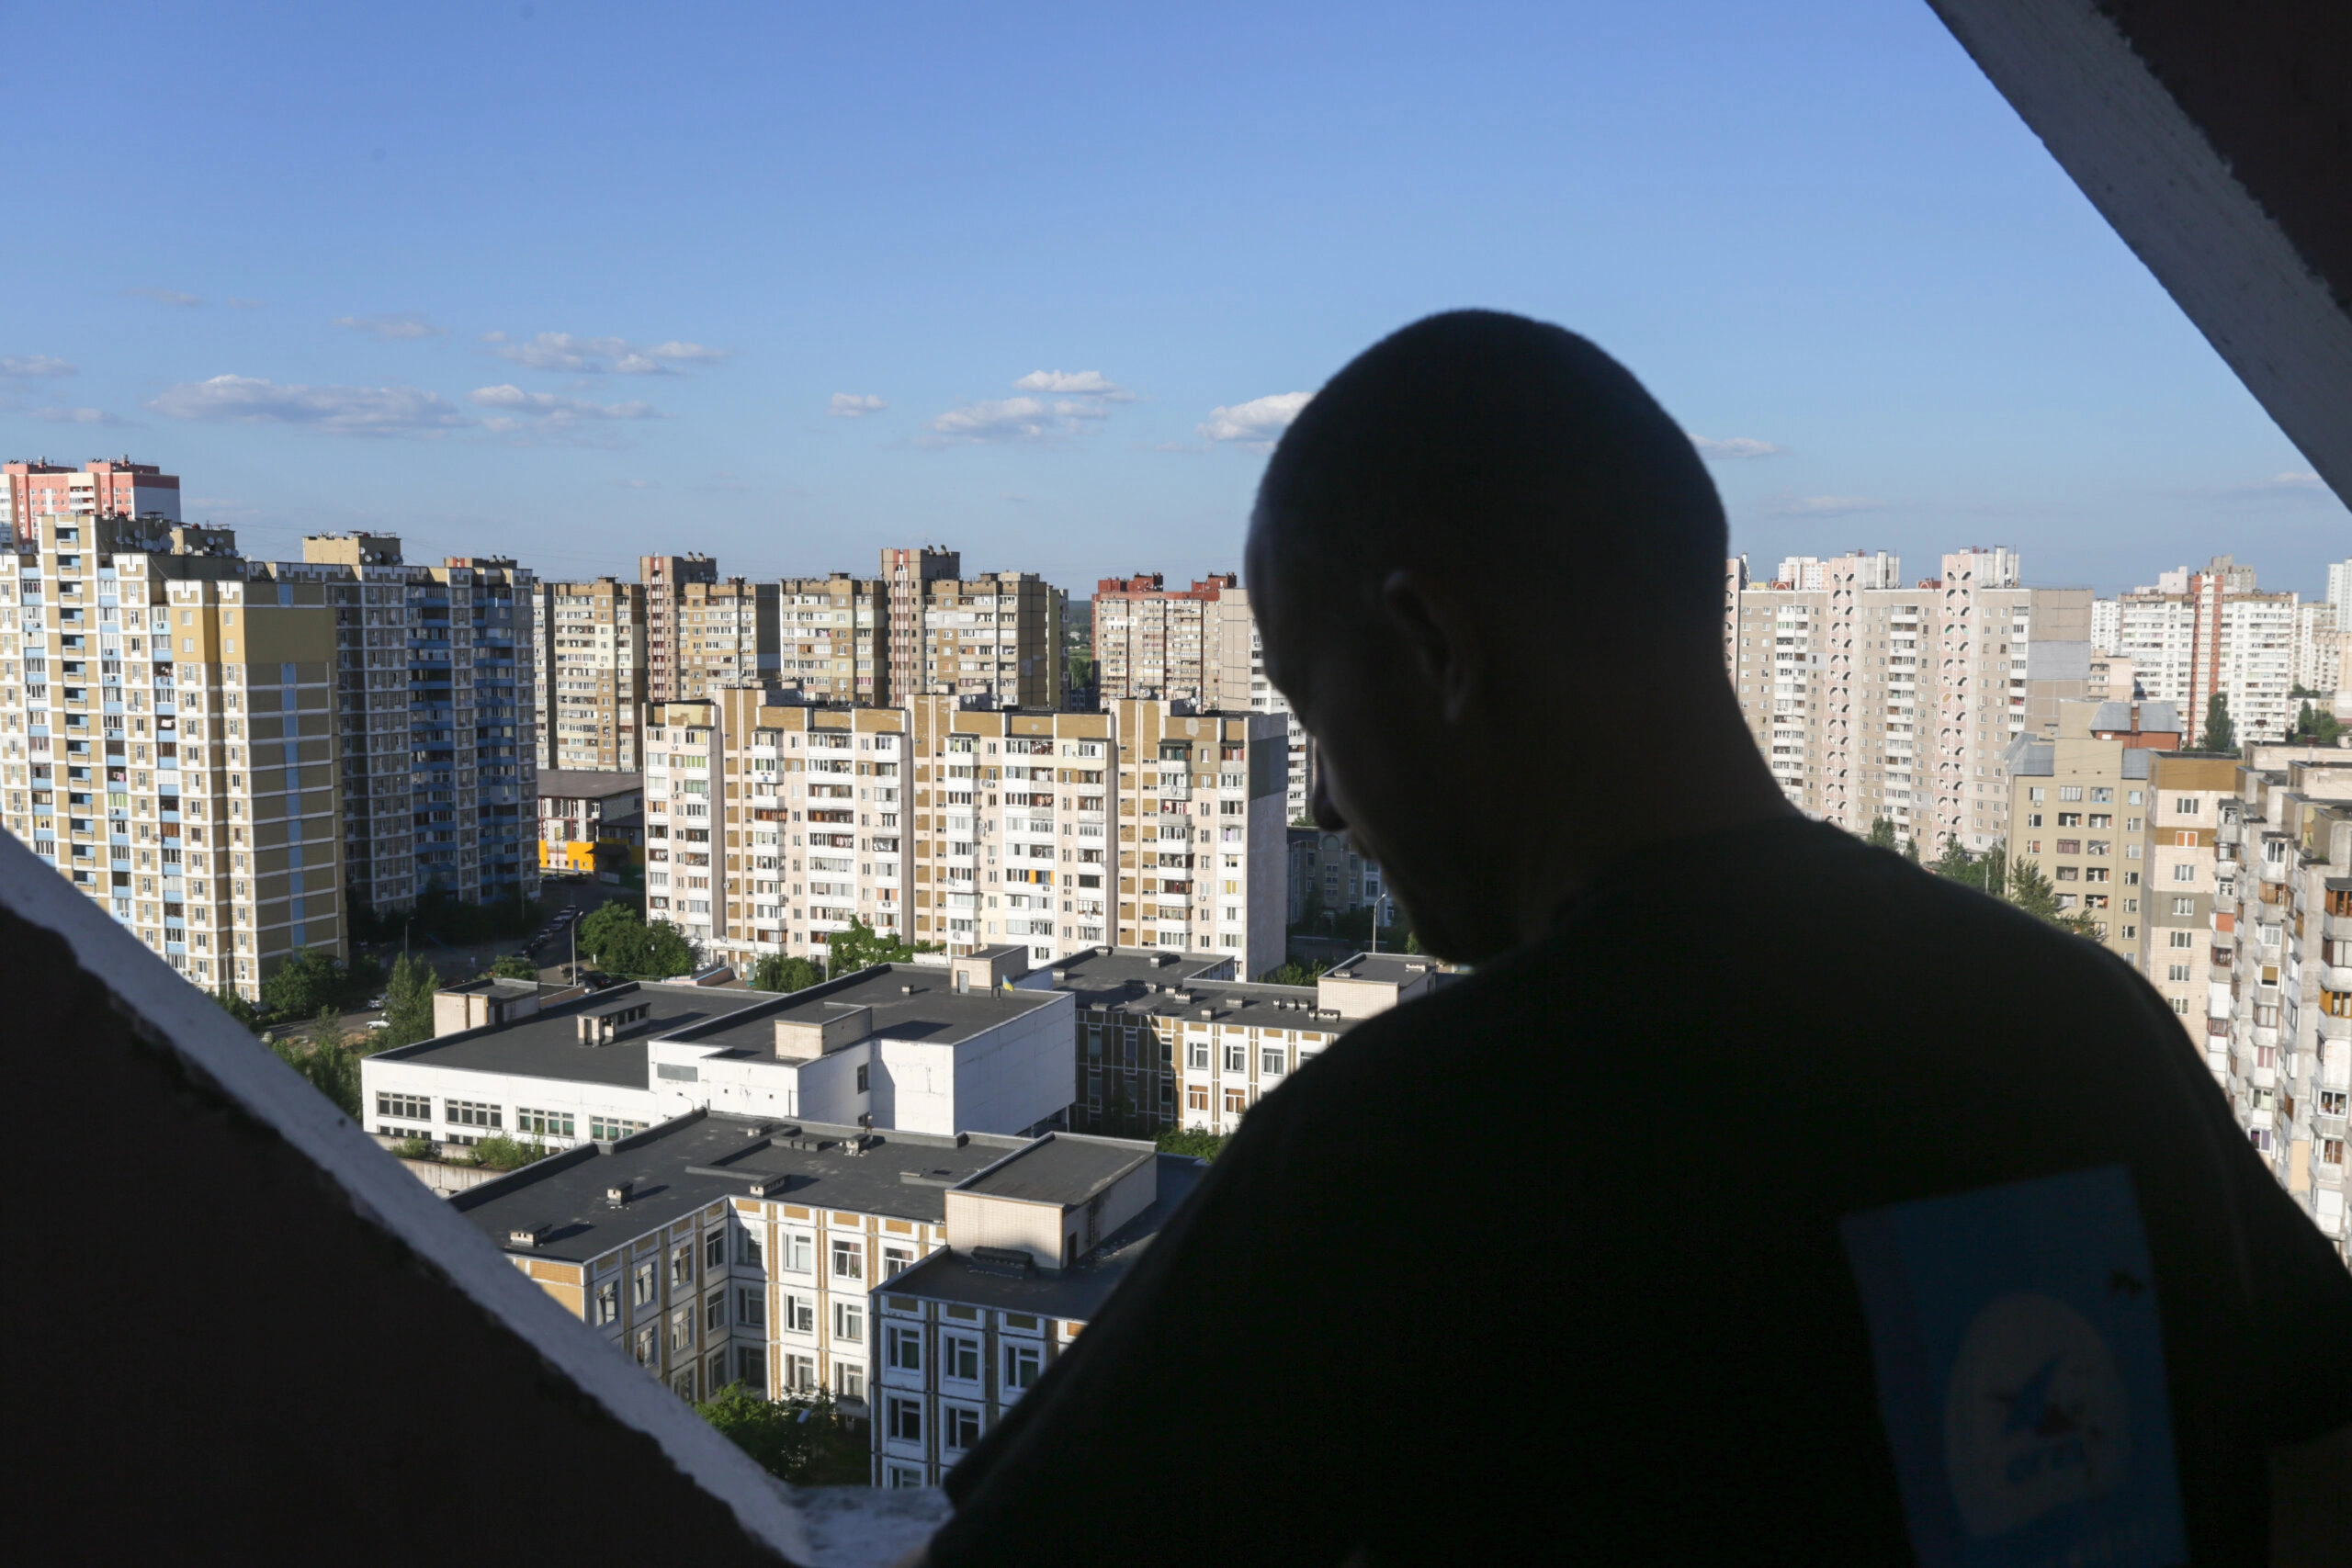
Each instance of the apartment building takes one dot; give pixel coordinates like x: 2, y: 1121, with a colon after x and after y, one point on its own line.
x: 1125, y: 1076
x: 436, y: 719
x: 2078, y: 810
x: 105, y: 488
x: 167, y: 740
x: 1328, y: 876
x: 2322, y: 655
x: 835, y: 638
x: 2189, y: 865
x: 2288, y: 965
x: 907, y: 576
x: 994, y: 638
x: 726, y: 635
x: 1242, y: 687
x: 1034, y: 1245
x: 2196, y: 635
x: 1154, y: 641
x: 592, y: 820
x: 717, y: 1249
x: 1871, y: 699
x: 589, y: 674
x: 665, y: 580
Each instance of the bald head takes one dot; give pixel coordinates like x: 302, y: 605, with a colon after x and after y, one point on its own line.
x: 1478, y: 442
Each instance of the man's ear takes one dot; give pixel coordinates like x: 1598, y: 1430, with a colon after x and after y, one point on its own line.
x: 1440, y: 638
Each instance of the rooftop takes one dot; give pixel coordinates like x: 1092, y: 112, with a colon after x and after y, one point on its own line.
x: 547, y: 1044
x: 1228, y: 1001
x: 1077, y: 1292
x: 1059, y: 1169
x: 1384, y: 968
x: 680, y: 1166
x: 1101, y: 975
x: 587, y: 784
x: 910, y: 1001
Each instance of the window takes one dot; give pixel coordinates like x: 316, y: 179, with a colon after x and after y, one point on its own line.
x: 470, y: 1114
x: 2183, y: 905
x: 1196, y: 1054
x: 959, y: 1357
x: 714, y: 1312
x: 642, y: 1288
x: 800, y: 1373
x: 904, y: 1346
x: 714, y: 1250
x: 747, y: 1247
x: 904, y: 1477
x: 411, y: 1107
x: 610, y: 1130
x: 681, y: 1329
x: 546, y: 1124
x: 799, y: 1314
x: 2181, y: 939
x: 1237, y: 1100
x: 849, y: 1383
x: 958, y: 1428
x: 849, y: 1322
x: 752, y: 1305
x: 1022, y: 1364
x: 752, y: 1367
x: 715, y: 1372
x: 849, y: 1259
x: 1237, y: 1055
x: 2176, y: 973
x: 2183, y: 874
x: 894, y: 1258
x: 905, y: 1419
x: 2180, y: 1006
x: 1270, y: 1061
x: 2185, y: 805
x: 681, y: 1266
x: 609, y: 1301
x: 799, y: 1253
x: 645, y: 1349
x: 1196, y: 1097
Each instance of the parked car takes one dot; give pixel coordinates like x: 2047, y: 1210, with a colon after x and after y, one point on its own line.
x: 375, y: 1004
x: 380, y: 1024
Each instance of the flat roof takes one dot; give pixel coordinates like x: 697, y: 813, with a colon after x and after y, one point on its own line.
x: 910, y: 1001
x: 1229, y: 1002
x: 683, y: 1165
x: 587, y: 784
x: 1077, y: 1292
x: 1060, y: 1168
x: 1113, y: 971
x: 547, y: 1044
x: 1385, y: 968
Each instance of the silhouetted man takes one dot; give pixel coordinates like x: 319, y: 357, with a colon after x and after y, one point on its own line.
x: 1760, y: 1198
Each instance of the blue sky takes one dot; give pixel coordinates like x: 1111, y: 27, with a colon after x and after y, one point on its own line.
x: 789, y: 283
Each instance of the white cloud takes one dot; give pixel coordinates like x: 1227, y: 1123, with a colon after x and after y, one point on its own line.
x: 402, y: 326
x: 34, y: 368
x: 166, y: 296
x: 1823, y: 505
x: 1737, y: 446
x: 340, y: 411
x: 854, y: 405
x: 547, y: 410
x: 1257, y: 423
x: 1085, y: 383
x: 1003, y: 419
x: 599, y: 355
x: 74, y: 416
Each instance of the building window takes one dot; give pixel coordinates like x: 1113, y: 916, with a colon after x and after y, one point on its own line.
x: 904, y: 1477
x: 645, y: 1348
x: 799, y: 1374
x: 959, y: 1357
x: 1022, y: 1364
x: 2180, y: 1006
x: 410, y: 1107
x: 1197, y: 1096
x: 1237, y: 1100
x: 714, y: 1312
x: 642, y: 1285
x: 905, y: 1349
x: 470, y: 1114
x: 2183, y: 874
x: 608, y: 1300
x: 895, y: 1258
x: 905, y: 1420
x: 2181, y: 939
x: 849, y: 1259
x: 849, y: 1383
x: 609, y: 1129
x: 799, y: 1314
x: 714, y: 1250
x: 2176, y: 973
x: 751, y: 1367
x: 750, y: 1306
x: 959, y: 1428
x: 1270, y: 1061
x: 681, y: 1329
x: 799, y: 1253
x: 545, y: 1123
x: 2183, y: 905
x: 1196, y: 1054
x: 849, y: 1322
x: 681, y: 1266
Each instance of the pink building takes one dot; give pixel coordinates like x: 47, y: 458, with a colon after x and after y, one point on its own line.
x: 106, y: 487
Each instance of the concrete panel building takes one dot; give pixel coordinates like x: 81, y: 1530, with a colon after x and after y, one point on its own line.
x: 834, y: 635
x: 1152, y: 640
x: 590, y: 675
x: 2200, y: 633
x: 665, y: 580
x: 2078, y: 810
x: 105, y: 488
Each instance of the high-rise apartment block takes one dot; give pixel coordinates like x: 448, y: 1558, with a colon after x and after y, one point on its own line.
x: 726, y: 634
x: 2198, y: 634
x: 589, y: 674
x: 771, y: 823
x: 106, y: 487
x: 2078, y: 810
x: 2339, y: 592
x: 995, y: 639
x: 2321, y: 649
x: 1873, y: 699
x: 2187, y: 895
x: 835, y: 635
x: 2283, y: 969
x: 168, y: 739
x: 436, y: 718
x: 907, y: 575
x: 1155, y: 641
x: 665, y: 580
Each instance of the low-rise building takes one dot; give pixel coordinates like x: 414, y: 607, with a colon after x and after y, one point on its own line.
x: 592, y: 821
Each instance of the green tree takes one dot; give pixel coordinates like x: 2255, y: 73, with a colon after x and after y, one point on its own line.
x: 2031, y: 891
x: 499, y: 1152
x: 612, y: 921
x: 1911, y: 848
x: 862, y: 946
x: 2220, y: 735
x: 782, y: 972
x: 236, y: 1007
x: 408, y: 1003
x: 1882, y: 833
x: 302, y: 985
x: 1293, y: 973
x: 803, y: 1441
x: 618, y: 940
x: 328, y: 1066
x: 1197, y: 1142
x: 2316, y: 726
x: 512, y: 967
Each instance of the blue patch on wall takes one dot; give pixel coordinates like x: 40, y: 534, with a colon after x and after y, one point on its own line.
x: 2020, y: 1367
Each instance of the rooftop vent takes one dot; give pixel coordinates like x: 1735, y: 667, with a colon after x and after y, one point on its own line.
x: 530, y: 1236
x: 1061, y: 976
x: 770, y: 1185
x: 906, y: 990
x: 1002, y: 1259
x: 616, y: 1195
x: 1208, y: 1012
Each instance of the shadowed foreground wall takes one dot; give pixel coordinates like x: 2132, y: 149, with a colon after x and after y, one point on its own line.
x: 215, y: 1357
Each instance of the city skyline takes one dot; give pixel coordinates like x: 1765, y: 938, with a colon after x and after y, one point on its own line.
x: 1043, y: 288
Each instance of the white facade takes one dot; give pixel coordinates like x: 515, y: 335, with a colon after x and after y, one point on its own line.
x: 2200, y: 634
